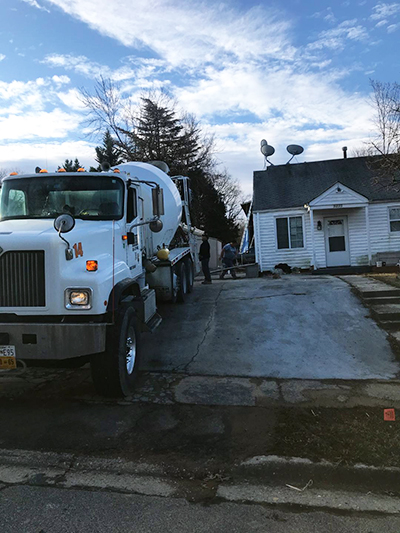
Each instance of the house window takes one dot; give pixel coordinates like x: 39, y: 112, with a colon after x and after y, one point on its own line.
x: 394, y: 217
x: 289, y: 231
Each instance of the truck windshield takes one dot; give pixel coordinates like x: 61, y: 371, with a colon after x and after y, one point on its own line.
x: 86, y: 197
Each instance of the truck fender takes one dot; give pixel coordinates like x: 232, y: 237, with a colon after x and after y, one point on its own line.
x: 122, y: 290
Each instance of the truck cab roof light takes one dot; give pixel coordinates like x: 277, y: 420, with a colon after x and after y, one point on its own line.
x: 117, y: 171
x: 81, y: 170
x: 61, y: 170
x: 13, y: 173
x: 91, y: 266
x: 43, y: 171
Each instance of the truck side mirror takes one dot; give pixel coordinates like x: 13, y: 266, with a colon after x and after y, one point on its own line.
x: 158, y: 201
x: 64, y: 223
x: 156, y: 226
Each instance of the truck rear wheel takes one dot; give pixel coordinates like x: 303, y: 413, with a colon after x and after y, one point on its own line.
x: 189, y: 275
x: 115, y: 370
x: 182, y: 281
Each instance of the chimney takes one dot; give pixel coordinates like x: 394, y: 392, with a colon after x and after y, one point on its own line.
x: 344, y: 152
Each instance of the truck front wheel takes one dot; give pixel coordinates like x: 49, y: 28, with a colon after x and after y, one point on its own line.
x: 115, y: 370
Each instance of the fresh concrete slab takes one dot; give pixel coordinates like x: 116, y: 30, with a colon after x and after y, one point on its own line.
x: 303, y: 327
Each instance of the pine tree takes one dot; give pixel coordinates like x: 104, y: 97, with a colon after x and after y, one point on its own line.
x: 156, y: 131
x: 108, y: 152
x: 71, y: 166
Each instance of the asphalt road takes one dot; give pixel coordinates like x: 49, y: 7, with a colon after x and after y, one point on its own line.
x: 49, y: 510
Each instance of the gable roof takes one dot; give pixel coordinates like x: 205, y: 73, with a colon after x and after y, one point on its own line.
x: 295, y: 185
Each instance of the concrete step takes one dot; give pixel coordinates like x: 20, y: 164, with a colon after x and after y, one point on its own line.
x: 386, y: 312
x: 380, y: 300
x: 390, y: 325
x: 379, y: 292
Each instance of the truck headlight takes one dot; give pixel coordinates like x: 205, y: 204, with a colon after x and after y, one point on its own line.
x: 78, y: 298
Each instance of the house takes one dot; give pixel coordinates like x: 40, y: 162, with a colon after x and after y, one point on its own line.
x: 325, y: 214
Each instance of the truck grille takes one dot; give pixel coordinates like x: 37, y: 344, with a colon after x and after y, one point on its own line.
x: 22, y: 281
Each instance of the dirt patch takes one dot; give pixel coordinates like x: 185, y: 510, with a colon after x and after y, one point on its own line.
x: 201, y: 438
x: 345, y: 436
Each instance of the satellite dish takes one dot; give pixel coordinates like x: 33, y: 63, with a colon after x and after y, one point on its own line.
x: 267, y: 150
x: 294, y: 149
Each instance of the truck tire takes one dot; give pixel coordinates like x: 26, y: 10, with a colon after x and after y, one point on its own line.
x: 115, y: 370
x: 189, y: 275
x: 182, y: 282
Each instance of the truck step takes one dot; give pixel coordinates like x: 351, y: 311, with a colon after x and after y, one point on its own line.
x: 153, y: 323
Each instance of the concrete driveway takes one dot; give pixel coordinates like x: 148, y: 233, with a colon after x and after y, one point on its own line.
x: 305, y: 327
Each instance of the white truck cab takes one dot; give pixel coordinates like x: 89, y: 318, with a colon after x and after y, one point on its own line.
x: 82, y: 258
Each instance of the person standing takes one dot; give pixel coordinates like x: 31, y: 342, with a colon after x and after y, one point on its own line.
x: 228, y: 256
x: 204, y: 256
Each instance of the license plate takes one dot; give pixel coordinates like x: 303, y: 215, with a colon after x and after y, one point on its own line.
x: 7, y: 357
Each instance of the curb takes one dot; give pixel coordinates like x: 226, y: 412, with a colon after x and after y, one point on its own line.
x: 267, y: 480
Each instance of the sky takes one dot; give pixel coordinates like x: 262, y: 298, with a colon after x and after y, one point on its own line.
x: 290, y: 72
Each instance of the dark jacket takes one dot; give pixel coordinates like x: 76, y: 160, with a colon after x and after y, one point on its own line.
x: 204, y: 252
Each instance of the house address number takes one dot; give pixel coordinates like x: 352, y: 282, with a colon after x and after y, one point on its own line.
x: 337, y: 205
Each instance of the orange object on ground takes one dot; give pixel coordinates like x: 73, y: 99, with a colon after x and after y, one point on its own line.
x: 389, y: 415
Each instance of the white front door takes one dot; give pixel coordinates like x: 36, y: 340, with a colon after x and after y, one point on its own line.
x: 337, y: 241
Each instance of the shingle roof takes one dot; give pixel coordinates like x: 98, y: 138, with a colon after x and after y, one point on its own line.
x: 295, y: 185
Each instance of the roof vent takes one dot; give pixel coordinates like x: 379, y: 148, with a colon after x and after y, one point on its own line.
x: 344, y: 152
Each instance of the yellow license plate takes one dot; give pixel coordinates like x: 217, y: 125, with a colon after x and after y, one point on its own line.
x: 7, y: 357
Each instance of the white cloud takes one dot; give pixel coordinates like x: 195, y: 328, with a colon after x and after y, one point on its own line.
x: 392, y: 28
x: 383, y: 11
x: 42, y: 124
x: 80, y: 64
x: 72, y: 99
x: 2, y: 56
x: 45, y: 155
x: 34, y: 3
x: 336, y: 38
x: 186, y: 32
x: 61, y: 80
x: 33, y: 109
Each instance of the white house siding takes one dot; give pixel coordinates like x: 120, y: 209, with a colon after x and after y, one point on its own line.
x: 268, y: 255
x: 382, y: 240
x: 267, y: 252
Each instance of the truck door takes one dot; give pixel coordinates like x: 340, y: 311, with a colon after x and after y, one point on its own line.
x: 133, y: 258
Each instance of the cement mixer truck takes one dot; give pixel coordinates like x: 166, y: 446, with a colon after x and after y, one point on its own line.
x: 84, y: 257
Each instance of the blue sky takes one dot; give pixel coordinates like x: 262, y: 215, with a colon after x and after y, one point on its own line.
x: 289, y: 72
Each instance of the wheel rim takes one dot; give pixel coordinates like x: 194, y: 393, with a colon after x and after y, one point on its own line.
x: 130, y: 346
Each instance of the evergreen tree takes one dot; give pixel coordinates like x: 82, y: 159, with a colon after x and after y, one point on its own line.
x: 108, y: 152
x: 156, y: 131
x: 71, y: 166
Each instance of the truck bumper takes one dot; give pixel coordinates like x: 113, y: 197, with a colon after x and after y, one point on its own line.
x: 53, y: 341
